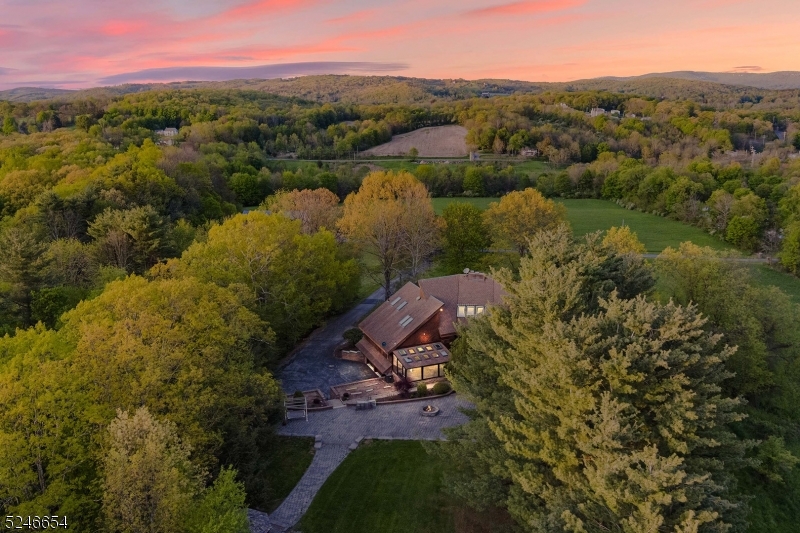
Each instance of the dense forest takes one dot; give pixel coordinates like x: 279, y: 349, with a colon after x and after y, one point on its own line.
x: 130, y: 280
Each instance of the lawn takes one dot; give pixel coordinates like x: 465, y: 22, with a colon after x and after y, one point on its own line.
x: 586, y: 216
x: 286, y: 463
x: 764, y: 275
x: 392, y: 487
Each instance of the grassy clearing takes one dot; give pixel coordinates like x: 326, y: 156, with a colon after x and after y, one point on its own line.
x: 284, y: 466
x: 655, y: 232
x: 586, y: 216
x: 391, y: 487
x: 764, y: 275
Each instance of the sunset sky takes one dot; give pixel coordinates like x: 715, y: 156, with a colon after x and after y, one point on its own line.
x: 83, y: 43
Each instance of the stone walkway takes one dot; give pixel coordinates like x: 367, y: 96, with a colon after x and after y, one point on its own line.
x: 340, y: 430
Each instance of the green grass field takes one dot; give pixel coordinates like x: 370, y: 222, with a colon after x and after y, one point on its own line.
x: 764, y: 275
x: 392, y: 487
x: 586, y: 216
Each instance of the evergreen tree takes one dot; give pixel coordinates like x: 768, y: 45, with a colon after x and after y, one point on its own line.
x: 604, y: 412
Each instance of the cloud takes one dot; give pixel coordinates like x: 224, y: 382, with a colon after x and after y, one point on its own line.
x: 525, y: 7
x: 282, y: 70
x: 6, y: 71
x: 356, y: 16
x: 747, y: 68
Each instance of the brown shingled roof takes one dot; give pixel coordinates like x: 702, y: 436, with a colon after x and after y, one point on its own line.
x: 374, y: 356
x: 384, y: 325
x: 473, y: 289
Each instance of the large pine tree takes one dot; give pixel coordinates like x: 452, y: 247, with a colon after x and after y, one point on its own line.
x: 596, y: 409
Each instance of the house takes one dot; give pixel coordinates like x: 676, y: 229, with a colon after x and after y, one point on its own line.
x: 410, y: 334
x: 165, y: 136
x: 529, y: 152
x: 597, y: 111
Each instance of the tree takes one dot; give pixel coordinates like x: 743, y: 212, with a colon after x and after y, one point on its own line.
x: 131, y: 239
x: 71, y: 262
x: 221, y: 509
x: 157, y: 343
x: 465, y: 236
x: 755, y: 319
x: 743, y: 232
x: 149, y: 481
x: 520, y: 215
x: 9, y: 126
x: 316, y: 209
x: 720, y: 206
x: 22, y: 267
x: 790, y: 250
x: 291, y: 279
x: 392, y: 219
x: 595, y: 412
x: 623, y: 241
x: 413, y: 154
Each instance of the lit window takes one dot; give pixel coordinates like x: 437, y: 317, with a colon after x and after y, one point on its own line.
x: 470, y: 310
x: 479, y: 310
x: 462, y: 311
x: 411, y: 350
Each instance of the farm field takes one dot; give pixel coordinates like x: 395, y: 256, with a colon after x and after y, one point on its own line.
x: 438, y: 141
x: 392, y: 487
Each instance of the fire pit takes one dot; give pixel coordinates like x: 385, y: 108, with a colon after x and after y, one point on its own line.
x: 430, y: 410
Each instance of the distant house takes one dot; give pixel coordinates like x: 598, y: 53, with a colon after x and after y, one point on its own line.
x: 529, y: 152
x: 165, y: 136
x: 410, y: 334
x: 474, y: 156
x: 614, y: 113
x: 597, y: 111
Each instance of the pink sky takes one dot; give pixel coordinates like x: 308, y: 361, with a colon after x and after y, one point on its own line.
x: 81, y: 43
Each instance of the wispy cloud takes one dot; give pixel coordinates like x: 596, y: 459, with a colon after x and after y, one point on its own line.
x: 259, y: 72
x: 356, y: 16
x: 525, y: 7
x: 748, y: 68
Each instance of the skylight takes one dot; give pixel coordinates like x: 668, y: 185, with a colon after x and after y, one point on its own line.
x: 402, y: 305
x: 406, y: 321
x: 395, y: 301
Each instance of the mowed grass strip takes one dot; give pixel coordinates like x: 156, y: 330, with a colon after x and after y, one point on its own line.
x: 386, y: 486
x: 287, y: 461
x: 587, y: 216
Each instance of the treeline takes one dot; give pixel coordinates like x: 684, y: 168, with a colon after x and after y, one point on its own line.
x: 94, y: 418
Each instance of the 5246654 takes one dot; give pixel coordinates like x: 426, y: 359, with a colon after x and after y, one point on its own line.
x: 34, y: 522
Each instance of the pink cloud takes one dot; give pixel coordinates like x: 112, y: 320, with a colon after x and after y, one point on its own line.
x: 526, y: 7
x: 356, y: 16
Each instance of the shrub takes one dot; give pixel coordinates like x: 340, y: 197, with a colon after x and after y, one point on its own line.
x: 345, y: 396
x: 353, y: 335
x: 422, y: 390
x: 441, y: 388
x: 298, y: 394
x: 316, y: 401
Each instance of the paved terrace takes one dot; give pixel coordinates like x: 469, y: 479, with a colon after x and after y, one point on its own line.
x: 313, y: 366
x: 340, y: 430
